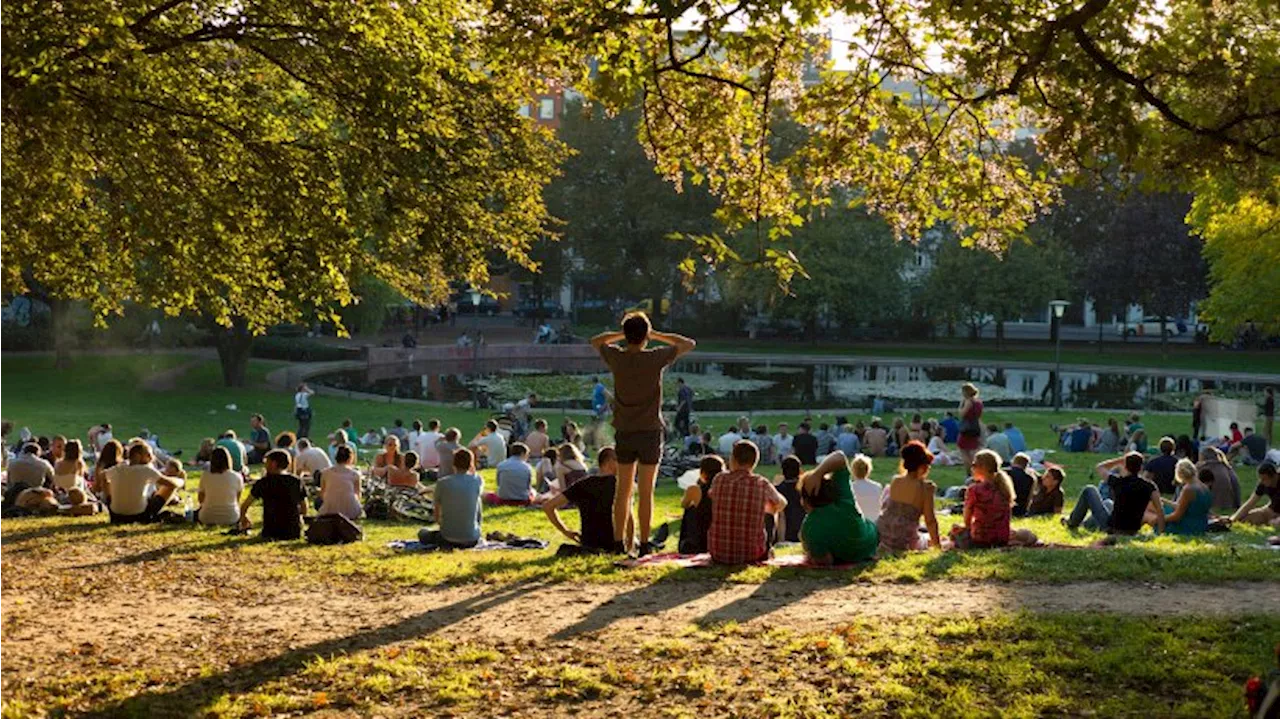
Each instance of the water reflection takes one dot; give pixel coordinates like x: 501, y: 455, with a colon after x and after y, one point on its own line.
x: 798, y: 386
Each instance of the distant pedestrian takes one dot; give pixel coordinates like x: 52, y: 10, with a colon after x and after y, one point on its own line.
x: 302, y: 409
x: 684, y: 406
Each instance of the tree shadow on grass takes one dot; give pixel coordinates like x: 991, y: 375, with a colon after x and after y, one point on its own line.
x: 64, y: 526
x: 667, y: 593
x: 190, y: 546
x: 775, y: 593
x: 192, y: 698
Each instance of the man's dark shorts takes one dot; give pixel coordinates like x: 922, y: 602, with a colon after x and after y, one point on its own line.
x: 645, y: 447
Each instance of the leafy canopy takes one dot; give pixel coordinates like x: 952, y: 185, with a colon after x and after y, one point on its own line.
x: 251, y: 160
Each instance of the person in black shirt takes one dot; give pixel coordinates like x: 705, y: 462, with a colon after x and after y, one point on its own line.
x: 594, y: 498
x: 1024, y: 481
x: 1161, y: 467
x: 284, y: 501
x: 805, y: 445
x: 1131, y: 495
x: 697, y: 507
x: 1268, y: 489
x: 789, y: 488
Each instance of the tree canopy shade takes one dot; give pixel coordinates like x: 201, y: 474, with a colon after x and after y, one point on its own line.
x: 248, y: 161
x: 918, y: 113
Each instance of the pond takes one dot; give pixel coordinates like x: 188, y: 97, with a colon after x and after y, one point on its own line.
x: 731, y: 385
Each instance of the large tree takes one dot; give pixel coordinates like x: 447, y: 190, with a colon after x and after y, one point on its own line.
x: 923, y: 100
x: 249, y: 161
x: 618, y: 214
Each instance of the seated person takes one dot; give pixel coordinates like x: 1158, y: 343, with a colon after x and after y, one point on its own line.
x: 406, y: 475
x: 29, y: 471
x: 340, y: 485
x: 284, y: 501
x: 547, y: 471
x: 847, y: 441
x: 239, y: 458
x: 1161, y: 467
x: 219, y: 493
x: 702, y: 447
x: 1190, y: 514
x: 133, y: 490
x: 1017, y: 442
x: 259, y: 439
x: 446, y: 446
x: 386, y: 459
x: 907, y: 499
x: 1111, y: 440
x: 1252, y: 447
x: 1268, y: 490
x: 80, y: 503
x: 875, y: 440
x: 1226, y: 485
x: 37, y: 501
x: 489, y: 445
x: 311, y: 460
x: 69, y: 472
x: 457, y: 505
x: 764, y: 441
x: 1079, y: 439
x: 515, y: 479
x: 1136, y: 433
x: 867, y: 493
x: 538, y: 441
x: 1047, y: 497
x: 570, y: 466
x: 787, y: 528
x: 594, y: 499
x: 998, y: 442
x: 740, y: 499
x: 371, y: 438
x: 204, y: 452
x: 724, y: 445
x: 1130, y: 497
x: 697, y: 507
x: 288, y: 441
x: 942, y: 456
x: 834, y: 531
x: 1024, y: 482
x: 987, y: 506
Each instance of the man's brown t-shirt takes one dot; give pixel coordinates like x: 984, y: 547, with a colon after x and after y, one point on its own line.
x: 637, y: 386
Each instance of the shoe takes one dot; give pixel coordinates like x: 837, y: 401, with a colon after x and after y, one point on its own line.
x: 660, y: 535
x: 645, y: 549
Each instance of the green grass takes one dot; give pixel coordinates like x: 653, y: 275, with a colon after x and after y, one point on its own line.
x: 1145, y: 355
x: 1015, y: 665
x: 106, y: 388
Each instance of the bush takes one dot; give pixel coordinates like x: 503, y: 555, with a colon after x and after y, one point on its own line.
x: 301, y: 349
x: 17, y: 338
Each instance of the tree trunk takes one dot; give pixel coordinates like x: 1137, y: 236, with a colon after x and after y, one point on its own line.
x: 63, y: 332
x: 656, y: 314
x: 1164, y: 339
x: 234, y: 344
x: 1000, y: 333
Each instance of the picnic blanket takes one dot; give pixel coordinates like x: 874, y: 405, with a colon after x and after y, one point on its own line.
x: 704, y: 560
x: 485, y: 545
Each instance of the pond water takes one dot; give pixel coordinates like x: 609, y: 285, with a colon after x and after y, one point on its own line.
x: 758, y: 386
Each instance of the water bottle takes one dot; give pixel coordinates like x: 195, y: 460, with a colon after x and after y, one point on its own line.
x: 188, y: 511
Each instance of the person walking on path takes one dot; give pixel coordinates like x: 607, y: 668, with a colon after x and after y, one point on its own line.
x: 302, y: 409
x: 637, y: 413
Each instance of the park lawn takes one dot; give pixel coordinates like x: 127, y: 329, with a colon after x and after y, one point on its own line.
x: 1179, y: 356
x: 1015, y: 665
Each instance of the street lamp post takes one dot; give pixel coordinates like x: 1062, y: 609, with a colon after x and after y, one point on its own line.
x: 475, y: 346
x: 1059, y: 307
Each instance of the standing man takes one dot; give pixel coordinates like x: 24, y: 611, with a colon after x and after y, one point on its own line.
x: 684, y: 406
x: 302, y: 409
x: 637, y: 415
x: 522, y: 413
x: 1269, y: 415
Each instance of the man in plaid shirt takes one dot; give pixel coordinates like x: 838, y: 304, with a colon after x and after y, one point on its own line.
x: 740, y: 499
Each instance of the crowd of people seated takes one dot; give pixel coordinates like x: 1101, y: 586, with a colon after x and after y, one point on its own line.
x: 822, y: 497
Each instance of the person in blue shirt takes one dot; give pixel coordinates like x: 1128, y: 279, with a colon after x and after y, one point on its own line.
x: 847, y: 441
x: 457, y: 506
x: 1079, y: 439
x: 599, y: 397
x: 1016, y: 441
x: 950, y: 428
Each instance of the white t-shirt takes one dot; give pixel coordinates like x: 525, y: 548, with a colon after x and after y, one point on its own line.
x: 867, y: 493
x: 726, y: 442
x: 131, y: 486
x: 311, y: 460
x: 221, y: 505
x: 495, y: 448
x: 522, y: 410
x: 425, y: 446
x: 302, y: 400
x: 782, y: 445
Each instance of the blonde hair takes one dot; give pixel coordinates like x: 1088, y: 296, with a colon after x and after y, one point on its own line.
x: 860, y: 466
x: 969, y: 389
x: 990, y: 461
x: 1184, y: 471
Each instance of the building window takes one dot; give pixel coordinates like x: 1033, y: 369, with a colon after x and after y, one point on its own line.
x: 546, y: 108
x: 524, y: 110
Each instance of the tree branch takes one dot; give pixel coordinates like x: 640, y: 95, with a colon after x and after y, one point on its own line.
x: 1095, y: 53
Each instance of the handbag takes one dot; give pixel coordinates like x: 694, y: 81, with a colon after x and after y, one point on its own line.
x: 970, y: 427
x: 333, y: 529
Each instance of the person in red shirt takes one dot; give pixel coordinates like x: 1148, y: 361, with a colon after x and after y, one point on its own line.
x: 988, y: 504
x: 740, y: 499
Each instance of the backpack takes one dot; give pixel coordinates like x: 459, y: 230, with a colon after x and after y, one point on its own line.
x: 333, y: 529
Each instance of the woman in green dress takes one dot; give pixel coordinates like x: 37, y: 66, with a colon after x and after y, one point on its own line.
x: 834, y: 531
